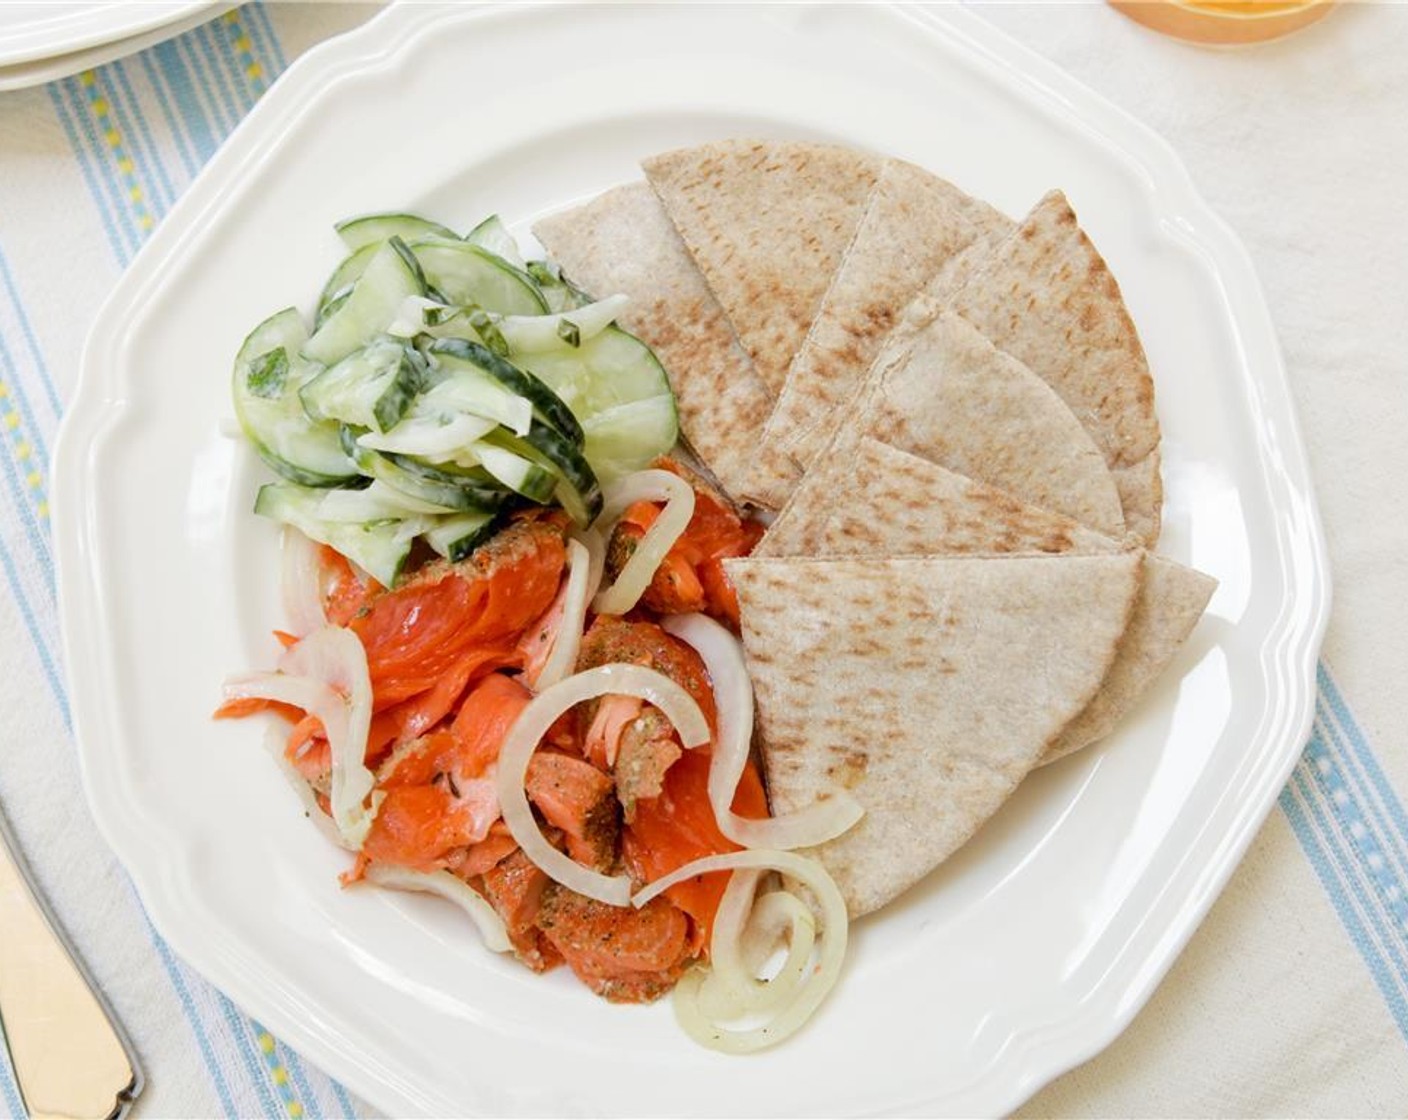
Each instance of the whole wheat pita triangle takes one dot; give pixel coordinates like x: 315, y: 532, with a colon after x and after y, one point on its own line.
x: 622, y: 241
x: 927, y: 688
x: 930, y: 511
x: 767, y: 223
x: 1045, y: 296
x: 913, y: 225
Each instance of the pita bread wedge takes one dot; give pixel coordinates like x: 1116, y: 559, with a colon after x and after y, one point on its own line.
x: 928, y: 688
x: 948, y: 396
x: 1046, y: 297
x: 914, y: 225
x: 767, y: 222
x: 622, y: 241
x: 881, y: 501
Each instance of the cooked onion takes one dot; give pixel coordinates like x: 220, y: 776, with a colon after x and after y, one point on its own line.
x: 801, y: 997
x: 581, y: 567
x: 491, y: 926
x: 302, y: 582
x: 733, y: 697
x: 635, y: 577
x: 532, y: 724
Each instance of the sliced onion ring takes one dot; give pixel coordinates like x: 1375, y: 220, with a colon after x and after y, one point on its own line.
x: 532, y: 724
x: 733, y: 697
x: 326, y: 675
x: 274, y: 744
x: 491, y: 926
x: 583, y: 575
x: 739, y: 951
x: 302, y: 572
x: 805, y: 996
x: 635, y: 577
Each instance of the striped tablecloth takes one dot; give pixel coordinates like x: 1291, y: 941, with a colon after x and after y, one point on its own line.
x: 1292, y: 999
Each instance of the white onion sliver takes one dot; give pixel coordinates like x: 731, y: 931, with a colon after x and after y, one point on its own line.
x: 274, y: 744
x: 580, y: 589
x: 531, y: 334
x: 635, y: 577
x: 442, y: 883
x: 532, y: 724
x: 302, y: 582
x: 336, y: 656
x: 733, y: 697
x: 805, y: 995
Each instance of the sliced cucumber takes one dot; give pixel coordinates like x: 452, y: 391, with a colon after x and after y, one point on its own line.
x: 464, y: 490
x: 370, y: 388
x: 628, y: 437
x: 375, y: 301
x: 614, y: 368
x: 339, y: 285
x: 493, y: 235
x: 455, y: 537
x: 378, y: 502
x: 377, y: 547
x: 467, y: 274
x: 535, y: 482
x: 461, y: 354
x: 267, y: 377
x: 577, y: 489
x: 371, y: 229
x: 469, y: 389
x: 561, y: 294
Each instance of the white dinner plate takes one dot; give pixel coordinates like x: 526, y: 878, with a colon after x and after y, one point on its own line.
x: 44, y: 41
x: 1025, y: 954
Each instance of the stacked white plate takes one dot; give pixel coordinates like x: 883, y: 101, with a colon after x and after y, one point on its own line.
x: 43, y: 41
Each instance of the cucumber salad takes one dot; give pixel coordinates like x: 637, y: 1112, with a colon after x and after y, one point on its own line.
x: 443, y: 382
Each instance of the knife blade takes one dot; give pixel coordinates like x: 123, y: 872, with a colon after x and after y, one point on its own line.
x: 71, y: 1059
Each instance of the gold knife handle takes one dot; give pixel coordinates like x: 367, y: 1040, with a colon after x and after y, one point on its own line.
x: 70, y: 1060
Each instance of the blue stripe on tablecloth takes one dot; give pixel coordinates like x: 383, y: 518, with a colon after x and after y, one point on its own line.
x: 1362, y: 761
x: 265, y: 39
x: 1328, y: 820
x: 132, y: 123
x: 41, y: 367
x: 58, y: 97
x: 177, y: 105
x: 10, y: 1093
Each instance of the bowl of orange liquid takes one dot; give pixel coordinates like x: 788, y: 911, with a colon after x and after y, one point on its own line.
x: 1225, y: 22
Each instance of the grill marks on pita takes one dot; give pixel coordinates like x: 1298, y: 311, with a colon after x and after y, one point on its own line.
x: 955, y: 416
x: 926, y: 687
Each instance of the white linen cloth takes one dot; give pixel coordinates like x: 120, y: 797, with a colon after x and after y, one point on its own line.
x: 1291, y: 1000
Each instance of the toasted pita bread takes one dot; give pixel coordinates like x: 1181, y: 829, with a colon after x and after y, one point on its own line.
x: 914, y: 224
x: 767, y: 222
x: 881, y: 501
x: 947, y: 395
x: 622, y: 241
x: 928, y: 688
x: 1045, y: 296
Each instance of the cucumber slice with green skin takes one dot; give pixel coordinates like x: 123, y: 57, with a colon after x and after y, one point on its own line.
x: 460, y: 353
x: 493, y: 235
x: 467, y: 491
x: 561, y: 294
x: 614, y: 368
x: 467, y: 274
x: 378, y: 502
x: 375, y: 301
x: 370, y: 388
x: 468, y: 389
x: 378, y: 547
x: 268, y: 374
x: 370, y: 229
x: 577, y: 490
x: 455, y: 537
x: 339, y: 285
x: 532, y: 481
x: 629, y: 437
